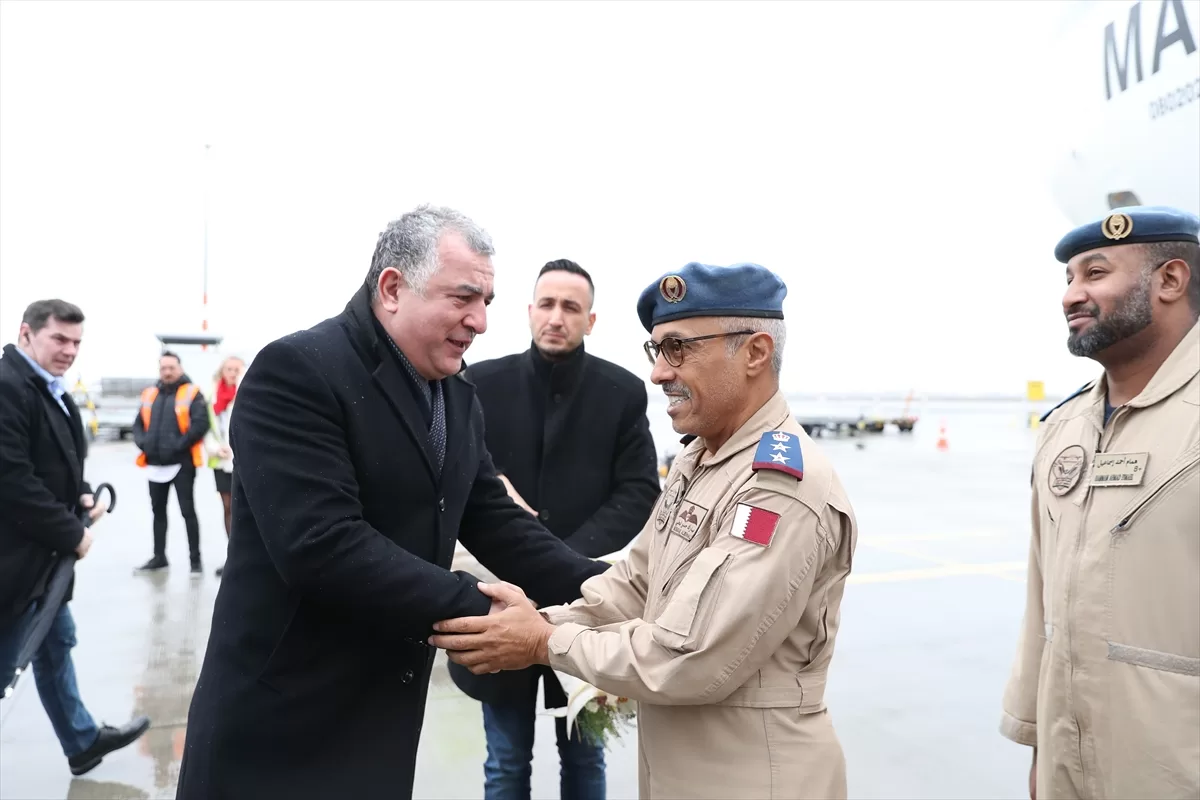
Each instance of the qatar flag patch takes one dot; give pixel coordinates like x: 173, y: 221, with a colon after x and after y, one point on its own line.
x: 755, y: 525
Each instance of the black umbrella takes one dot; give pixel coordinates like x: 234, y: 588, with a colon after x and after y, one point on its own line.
x: 56, y: 590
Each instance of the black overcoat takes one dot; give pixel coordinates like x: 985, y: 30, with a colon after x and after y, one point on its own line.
x: 42, y: 453
x: 315, y: 676
x: 573, y: 438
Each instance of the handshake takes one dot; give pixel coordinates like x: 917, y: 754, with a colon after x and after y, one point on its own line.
x: 513, y: 635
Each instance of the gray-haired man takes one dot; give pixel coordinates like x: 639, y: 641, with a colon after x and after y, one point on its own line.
x: 361, y: 460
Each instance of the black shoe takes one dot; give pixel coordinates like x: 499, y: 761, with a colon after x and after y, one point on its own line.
x: 158, y: 562
x: 197, y: 569
x: 110, y: 739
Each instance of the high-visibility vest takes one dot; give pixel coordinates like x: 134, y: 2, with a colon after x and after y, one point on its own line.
x: 184, y: 396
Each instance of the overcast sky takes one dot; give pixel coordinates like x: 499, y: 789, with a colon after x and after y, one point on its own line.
x: 887, y: 159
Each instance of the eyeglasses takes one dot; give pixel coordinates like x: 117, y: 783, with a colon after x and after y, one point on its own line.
x: 671, y: 347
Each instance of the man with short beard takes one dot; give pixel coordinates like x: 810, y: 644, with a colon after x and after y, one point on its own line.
x: 1106, y: 681
x: 721, y: 623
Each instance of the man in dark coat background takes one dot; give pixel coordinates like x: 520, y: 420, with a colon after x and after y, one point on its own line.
x: 568, y: 432
x: 361, y: 461
x: 43, y: 501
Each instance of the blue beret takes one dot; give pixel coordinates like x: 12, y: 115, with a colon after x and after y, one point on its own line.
x: 700, y: 290
x: 1130, y: 225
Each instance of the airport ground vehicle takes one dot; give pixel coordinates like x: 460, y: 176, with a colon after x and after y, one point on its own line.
x: 110, y: 405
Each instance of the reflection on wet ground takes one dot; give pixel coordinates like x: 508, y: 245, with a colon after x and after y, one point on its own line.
x: 86, y: 789
x: 165, y: 689
x: 929, y: 625
x: 141, y: 642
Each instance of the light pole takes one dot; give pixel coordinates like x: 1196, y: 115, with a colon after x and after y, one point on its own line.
x: 204, y: 320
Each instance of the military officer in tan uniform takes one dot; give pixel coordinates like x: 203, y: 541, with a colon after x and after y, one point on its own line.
x: 721, y: 623
x: 1106, y: 682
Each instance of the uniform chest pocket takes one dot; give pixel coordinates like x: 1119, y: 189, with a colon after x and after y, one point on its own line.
x: 1181, y: 476
x: 681, y: 624
x: 1153, y: 588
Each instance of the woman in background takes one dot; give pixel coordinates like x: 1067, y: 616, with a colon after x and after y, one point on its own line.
x: 220, y: 456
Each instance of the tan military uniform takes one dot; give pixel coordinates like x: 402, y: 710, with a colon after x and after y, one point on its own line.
x: 1106, y: 682
x: 724, y: 642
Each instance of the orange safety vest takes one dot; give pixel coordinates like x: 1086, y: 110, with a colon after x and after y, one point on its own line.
x: 183, y: 415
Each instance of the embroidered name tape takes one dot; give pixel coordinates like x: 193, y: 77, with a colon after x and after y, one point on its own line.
x: 756, y: 525
x: 780, y: 451
x: 1119, y: 469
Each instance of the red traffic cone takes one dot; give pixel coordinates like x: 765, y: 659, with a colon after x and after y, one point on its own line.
x: 942, y: 444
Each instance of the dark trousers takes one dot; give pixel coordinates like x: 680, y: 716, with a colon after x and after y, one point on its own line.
x: 185, y: 484
x: 508, y: 769
x: 54, y: 674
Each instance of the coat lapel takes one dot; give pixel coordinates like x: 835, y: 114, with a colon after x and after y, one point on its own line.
x: 400, y: 397
x: 77, y: 428
x: 459, y: 393
x: 359, y: 322
x: 60, y: 424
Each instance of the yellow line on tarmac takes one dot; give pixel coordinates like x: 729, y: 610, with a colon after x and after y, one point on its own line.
x: 945, y: 571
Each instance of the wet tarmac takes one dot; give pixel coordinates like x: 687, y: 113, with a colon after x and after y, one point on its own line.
x: 929, y: 624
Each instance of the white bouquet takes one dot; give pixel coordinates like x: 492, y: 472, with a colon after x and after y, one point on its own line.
x: 600, y: 716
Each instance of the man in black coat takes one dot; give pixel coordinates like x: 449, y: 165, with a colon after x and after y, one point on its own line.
x: 361, y: 461
x: 44, y: 500
x: 568, y: 432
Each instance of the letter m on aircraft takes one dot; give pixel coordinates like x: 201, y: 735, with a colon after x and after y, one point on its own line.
x: 1115, y: 63
x: 1133, y: 47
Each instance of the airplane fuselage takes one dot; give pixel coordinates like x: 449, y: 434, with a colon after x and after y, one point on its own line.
x: 1130, y: 107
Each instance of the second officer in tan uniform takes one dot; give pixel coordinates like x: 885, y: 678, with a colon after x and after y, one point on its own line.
x: 1106, y: 684
x: 722, y: 621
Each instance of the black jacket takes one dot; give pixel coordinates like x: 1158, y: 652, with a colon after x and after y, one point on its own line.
x: 573, y: 439
x: 42, y: 451
x: 316, y: 671
x: 163, y: 444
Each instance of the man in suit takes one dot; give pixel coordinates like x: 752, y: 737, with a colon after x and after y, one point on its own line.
x: 568, y: 431
x: 44, y: 499
x: 361, y: 461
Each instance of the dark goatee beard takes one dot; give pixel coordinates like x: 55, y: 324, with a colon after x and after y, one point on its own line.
x: 1131, y: 316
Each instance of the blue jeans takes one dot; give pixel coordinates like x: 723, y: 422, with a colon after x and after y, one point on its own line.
x: 54, y: 674
x: 509, y: 730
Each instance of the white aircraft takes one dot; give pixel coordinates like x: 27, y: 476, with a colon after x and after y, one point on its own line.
x: 1129, y: 97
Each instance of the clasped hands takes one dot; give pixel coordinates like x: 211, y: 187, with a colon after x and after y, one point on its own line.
x: 513, y: 635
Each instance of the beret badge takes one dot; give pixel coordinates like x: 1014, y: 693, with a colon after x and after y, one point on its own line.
x: 672, y: 288
x: 1117, y: 226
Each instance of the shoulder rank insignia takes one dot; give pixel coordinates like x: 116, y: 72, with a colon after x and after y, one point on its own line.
x: 780, y: 451
x: 1067, y: 399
